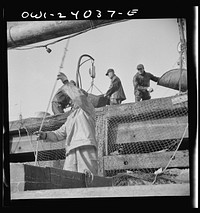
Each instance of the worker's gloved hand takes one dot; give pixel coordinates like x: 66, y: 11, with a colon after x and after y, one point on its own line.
x: 150, y: 89
x: 61, y: 76
x: 40, y: 135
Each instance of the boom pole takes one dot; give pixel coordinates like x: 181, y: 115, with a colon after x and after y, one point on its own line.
x: 37, y: 31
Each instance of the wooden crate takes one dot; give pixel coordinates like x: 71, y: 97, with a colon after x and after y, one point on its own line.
x: 172, y: 128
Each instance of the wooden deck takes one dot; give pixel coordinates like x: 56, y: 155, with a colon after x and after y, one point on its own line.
x: 115, y: 191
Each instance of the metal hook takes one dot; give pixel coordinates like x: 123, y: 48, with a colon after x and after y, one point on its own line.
x: 48, y: 49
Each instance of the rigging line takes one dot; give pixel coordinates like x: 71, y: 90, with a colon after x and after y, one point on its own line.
x: 17, y: 141
x: 98, y: 89
x: 61, y: 66
x: 30, y: 139
x: 93, y: 85
x: 176, y: 148
x: 172, y: 157
x: 89, y: 88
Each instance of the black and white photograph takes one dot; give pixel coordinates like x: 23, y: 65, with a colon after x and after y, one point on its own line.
x: 98, y: 106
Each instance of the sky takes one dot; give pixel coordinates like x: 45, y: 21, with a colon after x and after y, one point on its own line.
x: 121, y: 46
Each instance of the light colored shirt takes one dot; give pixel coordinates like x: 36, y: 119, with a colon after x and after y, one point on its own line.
x: 79, y: 128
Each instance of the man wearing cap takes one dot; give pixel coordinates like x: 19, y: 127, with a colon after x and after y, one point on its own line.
x: 115, y: 92
x: 78, y: 131
x: 61, y: 101
x: 141, y: 83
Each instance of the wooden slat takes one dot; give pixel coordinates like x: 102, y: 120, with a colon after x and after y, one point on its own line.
x: 26, y: 177
x: 17, y: 175
x: 150, y: 160
x: 151, y: 130
x: 58, y: 164
x: 26, y: 143
x: 51, y: 122
x: 119, y: 191
x: 150, y: 106
x: 33, y: 124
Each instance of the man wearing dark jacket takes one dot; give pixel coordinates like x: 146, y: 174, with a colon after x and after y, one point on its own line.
x: 115, y: 92
x: 141, y: 83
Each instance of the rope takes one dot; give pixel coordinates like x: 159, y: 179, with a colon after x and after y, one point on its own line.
x: 54, y: 86
x: 98, y: 89
x: 30, y: 139
x: 18, y: 141
x: 172, y: 157
x: 89, y: 177
x: 93, y: 85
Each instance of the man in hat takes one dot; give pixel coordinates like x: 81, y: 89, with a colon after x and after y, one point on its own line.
x: 141, y: 83
x: 115, y: 93
x: 60, y: 101
x: 78, y: 131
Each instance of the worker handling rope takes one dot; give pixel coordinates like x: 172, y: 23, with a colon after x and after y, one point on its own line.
x: 78, y: 131
x: 61, y: 101
x: 54, y: 86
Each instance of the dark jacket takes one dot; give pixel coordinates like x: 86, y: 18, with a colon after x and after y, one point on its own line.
x: 115, y: 90
x: 140, y: 81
